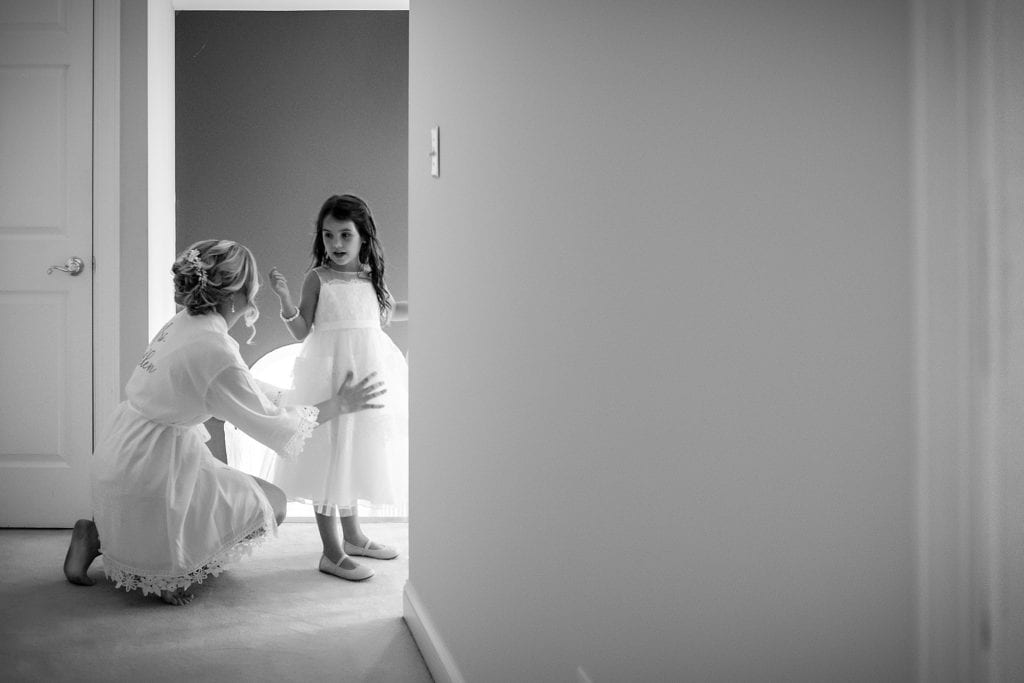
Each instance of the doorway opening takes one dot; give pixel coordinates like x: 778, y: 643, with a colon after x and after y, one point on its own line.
x: 255, y: 117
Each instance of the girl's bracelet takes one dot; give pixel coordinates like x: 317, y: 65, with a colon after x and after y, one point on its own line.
x: 292, y: 317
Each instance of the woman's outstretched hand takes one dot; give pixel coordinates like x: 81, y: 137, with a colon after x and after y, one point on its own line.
x: 355, y: 397
x: 351, y: 397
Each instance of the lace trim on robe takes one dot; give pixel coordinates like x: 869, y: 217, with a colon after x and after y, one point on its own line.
x: 308, y: 422
x: 131, y: 579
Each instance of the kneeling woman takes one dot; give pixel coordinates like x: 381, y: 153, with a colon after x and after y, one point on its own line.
x: 168, y: 513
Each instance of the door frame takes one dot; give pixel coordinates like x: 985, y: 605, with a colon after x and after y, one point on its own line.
x: 106, y: 211
x: 161, y: 142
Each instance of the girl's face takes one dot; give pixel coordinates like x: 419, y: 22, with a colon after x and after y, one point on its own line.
x: 342, y: 242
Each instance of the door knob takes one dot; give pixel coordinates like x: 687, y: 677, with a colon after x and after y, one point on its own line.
x: 73, y: 266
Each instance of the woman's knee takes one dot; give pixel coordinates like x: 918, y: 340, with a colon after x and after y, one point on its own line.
x: 276, y: 497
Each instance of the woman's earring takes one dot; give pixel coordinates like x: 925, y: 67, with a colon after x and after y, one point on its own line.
x: 232, y: 305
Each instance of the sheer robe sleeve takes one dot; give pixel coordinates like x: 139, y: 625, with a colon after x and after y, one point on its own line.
x: 235, y: 396
x: 275, y: 393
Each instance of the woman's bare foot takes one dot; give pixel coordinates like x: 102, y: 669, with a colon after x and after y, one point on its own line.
x: 178, y: 596
x: 83, y: 549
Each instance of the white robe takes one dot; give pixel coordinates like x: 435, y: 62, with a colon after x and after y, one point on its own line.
x: 168, y: 513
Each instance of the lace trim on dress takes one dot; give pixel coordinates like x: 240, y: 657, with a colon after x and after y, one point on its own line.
x: 131, y: 579
x: 307, y: 423
x: 328, y: 275
x: 346, y: 280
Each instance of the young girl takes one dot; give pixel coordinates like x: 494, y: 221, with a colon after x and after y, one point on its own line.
x: 344, y: 302
x: 168, y: 514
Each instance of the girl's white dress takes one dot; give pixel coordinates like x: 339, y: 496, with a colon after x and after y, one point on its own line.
x: 168, y: 513
x: 361, y: 456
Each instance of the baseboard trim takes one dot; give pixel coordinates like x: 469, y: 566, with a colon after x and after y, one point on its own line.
x: 428, y: 640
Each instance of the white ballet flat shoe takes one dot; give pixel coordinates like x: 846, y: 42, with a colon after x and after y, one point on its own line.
x: 357, y: 573
x: 382, y: 553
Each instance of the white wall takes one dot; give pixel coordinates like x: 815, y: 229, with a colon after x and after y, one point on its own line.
x: 1001, y: 210
x: 661, y: 394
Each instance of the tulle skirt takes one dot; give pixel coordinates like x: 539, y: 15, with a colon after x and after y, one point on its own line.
x: 359, y: 460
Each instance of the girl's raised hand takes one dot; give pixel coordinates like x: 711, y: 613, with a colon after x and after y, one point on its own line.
x: 279, y: 284
x: 356, y: 397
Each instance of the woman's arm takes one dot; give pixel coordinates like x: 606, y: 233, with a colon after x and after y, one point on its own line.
x: 234, y: 396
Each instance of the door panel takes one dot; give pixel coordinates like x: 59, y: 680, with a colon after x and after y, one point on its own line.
x: 45, y: 218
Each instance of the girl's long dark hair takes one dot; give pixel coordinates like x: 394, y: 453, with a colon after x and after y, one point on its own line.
x: 348, y: 207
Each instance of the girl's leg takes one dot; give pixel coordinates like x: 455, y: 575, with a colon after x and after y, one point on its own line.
x: 83, y: 549
x: 331, y: 539
x: 360, y: 544
x: 353, y: 532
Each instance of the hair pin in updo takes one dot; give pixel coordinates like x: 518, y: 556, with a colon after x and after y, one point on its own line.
x: 192, y: 257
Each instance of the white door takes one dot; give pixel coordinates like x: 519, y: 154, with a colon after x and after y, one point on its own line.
x: 46, y: 382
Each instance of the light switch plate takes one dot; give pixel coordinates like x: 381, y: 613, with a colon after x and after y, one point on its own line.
x: 435, y: 152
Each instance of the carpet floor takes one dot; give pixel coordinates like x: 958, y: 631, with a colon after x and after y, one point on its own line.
x: 269, y: 617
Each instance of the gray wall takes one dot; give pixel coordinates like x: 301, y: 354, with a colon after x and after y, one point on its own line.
x: 276, y: 111
x: 662, y: 395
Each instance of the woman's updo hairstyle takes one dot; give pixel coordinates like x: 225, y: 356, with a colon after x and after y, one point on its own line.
x: 209, y: 272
